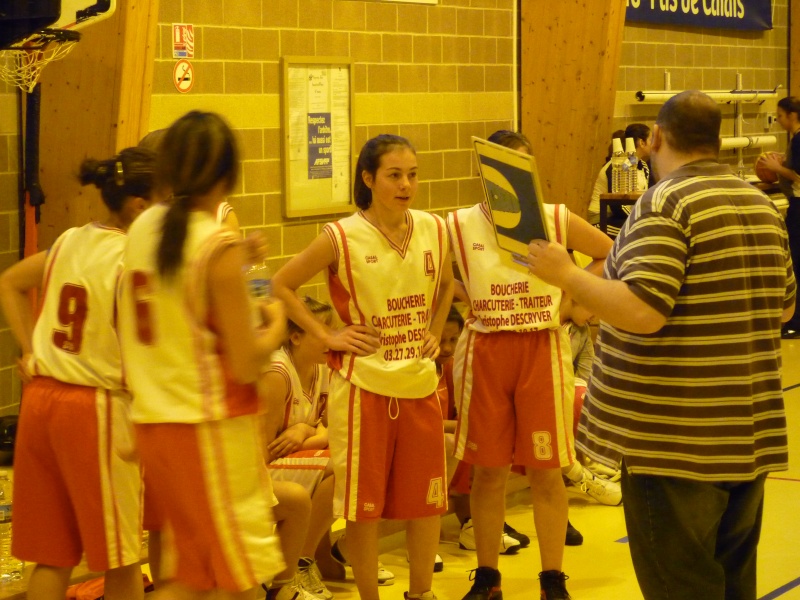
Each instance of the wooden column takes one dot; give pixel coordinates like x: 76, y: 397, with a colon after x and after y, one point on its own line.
x: 94, y: 103
x: 570, y: 60
x: 794, y: 48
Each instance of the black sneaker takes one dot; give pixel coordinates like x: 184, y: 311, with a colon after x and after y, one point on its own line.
x: 524, y: 540
x: 574, y: 537
x: 553, y: 585
x: 486, y: 586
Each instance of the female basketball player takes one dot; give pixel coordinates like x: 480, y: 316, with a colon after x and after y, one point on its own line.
x: 513, y: 372
x: 192, y: 358
x: 390, y: 280
x: 76, y: 479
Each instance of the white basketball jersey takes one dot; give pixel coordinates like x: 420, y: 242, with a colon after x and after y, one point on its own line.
x: 74, y: 339
x: 393, y: 289
x: 171, y: 352
x: 503, y: 295
x: 300, y: 406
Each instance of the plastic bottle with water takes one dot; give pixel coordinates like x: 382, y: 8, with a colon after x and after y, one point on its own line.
x: 10, y: 568
x: 619, y: 168
x: 259, y: 280
x: 633, y: 162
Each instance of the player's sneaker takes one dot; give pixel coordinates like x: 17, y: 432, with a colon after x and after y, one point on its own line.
x: 466, y: 540
x: 553, y: 585
x: 524, y: 540
x: 601, y: 470
x: 291, y: 590
x: 486, y: 585
x: 429, y: 595
x: 604, y: 491
x: 574, y: 537
x: 310, y: 578
x: 385, y: 577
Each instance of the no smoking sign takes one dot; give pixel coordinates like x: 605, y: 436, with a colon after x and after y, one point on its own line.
x: 183, y: 76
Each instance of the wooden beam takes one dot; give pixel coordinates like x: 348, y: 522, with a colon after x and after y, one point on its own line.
x: 569, y: 65
x: 94, y: 102
x: 140, y: 32
x: 794, y: 48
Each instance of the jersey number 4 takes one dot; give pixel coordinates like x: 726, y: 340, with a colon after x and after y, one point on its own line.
x: 72, y: 311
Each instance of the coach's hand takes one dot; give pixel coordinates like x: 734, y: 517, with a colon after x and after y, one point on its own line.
x: 549, y: 262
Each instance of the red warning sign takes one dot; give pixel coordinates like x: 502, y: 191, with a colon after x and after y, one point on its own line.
x: 182, y: 40
x: 183, y: 76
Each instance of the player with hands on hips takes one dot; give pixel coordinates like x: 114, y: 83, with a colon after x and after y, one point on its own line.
x: 74, y: 441
x: 390, y: 280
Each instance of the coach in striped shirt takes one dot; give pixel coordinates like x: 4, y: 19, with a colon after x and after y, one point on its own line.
x: 686, y: 383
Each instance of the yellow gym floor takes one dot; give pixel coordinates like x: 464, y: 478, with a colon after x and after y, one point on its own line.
x: 601, y: 568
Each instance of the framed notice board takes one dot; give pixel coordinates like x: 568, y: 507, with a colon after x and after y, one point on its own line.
x: 317, y: 107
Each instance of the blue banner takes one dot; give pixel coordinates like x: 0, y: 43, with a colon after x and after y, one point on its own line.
x: 711, y: 14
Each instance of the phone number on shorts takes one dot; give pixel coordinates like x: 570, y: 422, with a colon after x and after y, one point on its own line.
x: 402, y: 353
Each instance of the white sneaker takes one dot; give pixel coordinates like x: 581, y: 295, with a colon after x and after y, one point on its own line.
x: 310, y: 579
x: 291, y: 591
x: 429, y: 595
x: 385, y: 577
x: 466, y: 540
x: 602, y: 471
x: 604, y: 491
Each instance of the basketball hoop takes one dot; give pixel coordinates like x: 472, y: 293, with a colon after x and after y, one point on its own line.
x: 21, y: 63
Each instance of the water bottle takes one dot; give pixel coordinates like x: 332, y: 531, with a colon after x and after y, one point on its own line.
x: 10, y: 567
x: 619, y: 168
x: 259, y: 280
x: 633, y: 161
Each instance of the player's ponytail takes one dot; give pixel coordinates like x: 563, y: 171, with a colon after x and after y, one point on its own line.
x: 369, y: 160
x: 128, y: 174
x: 197, y: 153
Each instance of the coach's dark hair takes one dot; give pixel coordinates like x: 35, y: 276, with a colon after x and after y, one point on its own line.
x: 370, y: 159
x: 790, y: 104
x: 196, y: 154
x: 131, y: 173
x: 511, y: 139
x: 637, y: 131
x: 690, y: 122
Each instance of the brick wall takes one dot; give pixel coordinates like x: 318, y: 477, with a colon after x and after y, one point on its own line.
x: 705, y: 59
x: 435, y: 74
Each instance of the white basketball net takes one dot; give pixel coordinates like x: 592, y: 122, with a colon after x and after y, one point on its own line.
x: 22, y: 64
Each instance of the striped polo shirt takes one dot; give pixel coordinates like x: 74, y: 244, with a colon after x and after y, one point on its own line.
x: 701, y: 398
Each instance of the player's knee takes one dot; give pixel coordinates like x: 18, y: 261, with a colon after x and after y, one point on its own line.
x: 489, y: 478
